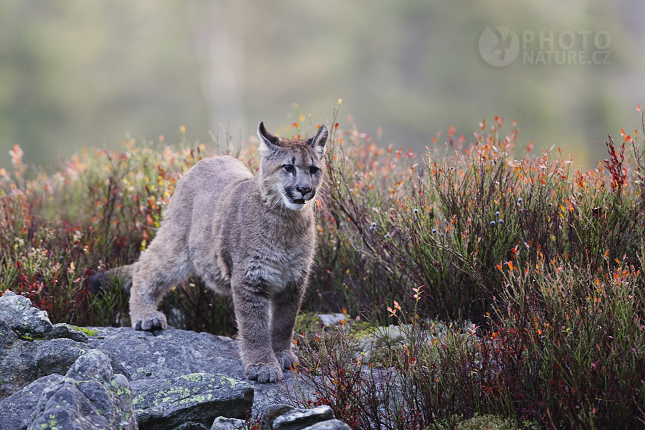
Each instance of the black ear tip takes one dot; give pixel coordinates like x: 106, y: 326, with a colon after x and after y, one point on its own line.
x: 266, y: 136
x: 323, y: 132
x: 262, y: 131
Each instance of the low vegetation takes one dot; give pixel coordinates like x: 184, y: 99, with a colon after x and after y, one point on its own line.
x: 516, y: 282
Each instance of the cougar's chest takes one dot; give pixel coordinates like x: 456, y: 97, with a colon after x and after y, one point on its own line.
x: 283, y: 257
x: 285, y: 263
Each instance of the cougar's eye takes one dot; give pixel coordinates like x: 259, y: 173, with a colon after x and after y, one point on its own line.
x: 288, y: 168
x: 313, y: 170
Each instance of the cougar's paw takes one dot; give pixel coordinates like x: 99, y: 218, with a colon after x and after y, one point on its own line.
x: 150, y: 321
x: 264, y: 372
x: 287, y: 359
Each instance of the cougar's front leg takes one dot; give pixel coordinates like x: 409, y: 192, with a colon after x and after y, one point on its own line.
x: 285, y: 307
x: 251, y: 305
x: 144, y: 298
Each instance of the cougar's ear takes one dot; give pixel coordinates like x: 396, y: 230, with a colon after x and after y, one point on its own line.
x: 268, y: 142
x: 317, y: 142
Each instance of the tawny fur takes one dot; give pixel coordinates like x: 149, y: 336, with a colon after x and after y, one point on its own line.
x: 252, y: 237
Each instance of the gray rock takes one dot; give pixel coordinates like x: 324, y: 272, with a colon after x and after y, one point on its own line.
x: 88, y: 397
x: 331, y: 319
x: 171, y: 353
x: 269, y: 394
x: 372, y: 348
x: 25, y: 361
x: 271, y: 412
x: 191, y: 426
x: 16, y: 410
x: 222, y: 423
x: 168, y: 389
x: 7, y: 336
x: 31, y: 347
x: 29, y: 323
x: 25, y: 320
x: 329, y: 425
x: 63, y: 330
x: 57, y: 355
x: 199, y: 398
x: 298, y: 419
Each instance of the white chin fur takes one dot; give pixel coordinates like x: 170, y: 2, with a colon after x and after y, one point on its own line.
x: 292, y: 206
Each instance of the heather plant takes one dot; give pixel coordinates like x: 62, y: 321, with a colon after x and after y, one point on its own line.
x: 449, y: 223
x: 359, y: 179
x: 545, y: 260
x: 566, y: 350
x: 580, y: 345
x: 430, y: 381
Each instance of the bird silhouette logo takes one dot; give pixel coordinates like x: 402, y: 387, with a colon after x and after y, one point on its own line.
x: 499, y: 46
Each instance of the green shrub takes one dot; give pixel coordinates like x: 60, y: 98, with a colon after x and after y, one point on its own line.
x: 544, y: 260
x: 556, y: 289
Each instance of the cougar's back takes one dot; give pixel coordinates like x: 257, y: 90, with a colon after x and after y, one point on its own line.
x: 199, y: 193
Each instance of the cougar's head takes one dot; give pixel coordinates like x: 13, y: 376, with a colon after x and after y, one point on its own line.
x: 291, y: 169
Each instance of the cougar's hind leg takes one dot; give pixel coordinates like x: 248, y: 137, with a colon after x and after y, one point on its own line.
x: 154, y: 274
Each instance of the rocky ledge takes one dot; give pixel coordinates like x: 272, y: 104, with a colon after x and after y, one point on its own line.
x: 55, y: 376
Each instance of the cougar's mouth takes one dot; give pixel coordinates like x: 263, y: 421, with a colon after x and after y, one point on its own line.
x: 302, y: 200
x: 290, y: 197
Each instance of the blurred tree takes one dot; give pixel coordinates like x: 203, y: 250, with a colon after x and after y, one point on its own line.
x: 74, y: 73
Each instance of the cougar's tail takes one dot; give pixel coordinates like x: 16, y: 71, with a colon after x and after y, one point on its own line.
x: 101, y: 281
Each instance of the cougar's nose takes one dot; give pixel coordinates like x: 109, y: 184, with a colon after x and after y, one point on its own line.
x: 303, y: 190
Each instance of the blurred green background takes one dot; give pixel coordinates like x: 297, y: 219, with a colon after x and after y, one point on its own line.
x: 77, y: 73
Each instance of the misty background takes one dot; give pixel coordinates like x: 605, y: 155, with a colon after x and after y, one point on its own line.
x: 76, y: 73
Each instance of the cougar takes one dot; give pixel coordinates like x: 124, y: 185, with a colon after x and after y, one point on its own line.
x: 249, y: 236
